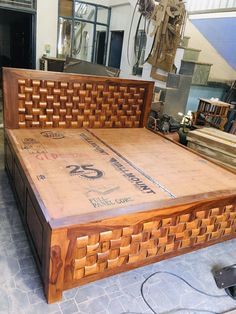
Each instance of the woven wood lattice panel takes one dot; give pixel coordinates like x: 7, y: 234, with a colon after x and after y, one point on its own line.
x: 110, y: 249
x: 46, y: 103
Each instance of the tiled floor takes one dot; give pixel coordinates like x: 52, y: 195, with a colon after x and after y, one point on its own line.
x: 21, y: 290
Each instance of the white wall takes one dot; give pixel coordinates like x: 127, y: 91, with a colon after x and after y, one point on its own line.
x: 47, y: 18
x: 122, y: 24
x: 220, y: 70
x: 118, y: 2
x: 121, y: 17
x: 101, y: 2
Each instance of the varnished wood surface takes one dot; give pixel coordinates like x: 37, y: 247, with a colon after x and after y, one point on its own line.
x: 39, y: 99
x: 216, y: 102
x: 217, y: 139
x: 76, y: 250
x: 96, y: 202
x: 182, y: 172
x: 122, y: 169
x: 215, y: 144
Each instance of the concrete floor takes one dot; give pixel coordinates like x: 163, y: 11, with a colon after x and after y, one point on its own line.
x: 21, y: 290
x: 1, y: 113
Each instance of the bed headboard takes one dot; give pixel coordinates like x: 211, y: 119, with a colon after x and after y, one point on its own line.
x: 39, y: 99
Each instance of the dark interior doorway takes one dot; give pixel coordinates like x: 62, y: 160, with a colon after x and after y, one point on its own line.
x: 17, y: 39
x: 116, y: 49
x: 101, y: 45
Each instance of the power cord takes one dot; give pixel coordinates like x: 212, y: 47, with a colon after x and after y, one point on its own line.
x: 176, y: 310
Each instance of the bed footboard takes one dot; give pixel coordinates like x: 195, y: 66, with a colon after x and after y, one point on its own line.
x: 94, y: 251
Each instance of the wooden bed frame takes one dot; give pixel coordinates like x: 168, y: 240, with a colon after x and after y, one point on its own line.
x: 47, y: 112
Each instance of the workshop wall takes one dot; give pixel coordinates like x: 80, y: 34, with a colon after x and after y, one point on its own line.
x: 102, y: 2
x: 47, y: 19
x: 121, y: 16
x: 218, y: 31
x: 221, y: 69
x: 206, y: 92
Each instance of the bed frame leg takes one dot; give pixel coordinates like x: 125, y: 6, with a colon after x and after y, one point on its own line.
x: 53, y: 295
x: 55, y: 282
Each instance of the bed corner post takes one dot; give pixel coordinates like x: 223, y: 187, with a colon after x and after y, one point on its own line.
x: 148, y: 103
x: 58, y: 249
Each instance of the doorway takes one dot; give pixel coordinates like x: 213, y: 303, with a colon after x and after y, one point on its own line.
x: 17, y: 39
x: 17, y: 42
x: 116, y: 46
x: 100, y: 49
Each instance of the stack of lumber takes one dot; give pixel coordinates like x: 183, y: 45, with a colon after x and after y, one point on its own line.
x: 214, y: 144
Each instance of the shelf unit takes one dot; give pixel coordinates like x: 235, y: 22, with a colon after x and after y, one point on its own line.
x: 212, y: 113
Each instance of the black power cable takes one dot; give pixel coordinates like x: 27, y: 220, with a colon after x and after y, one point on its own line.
x: 181, y: 309
x: 142, y: 15
x: 129, y: 36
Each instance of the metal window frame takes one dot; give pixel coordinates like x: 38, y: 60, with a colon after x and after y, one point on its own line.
x: 73, y: 18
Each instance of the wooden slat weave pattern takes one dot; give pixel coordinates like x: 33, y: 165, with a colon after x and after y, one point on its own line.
x: 110, y: 249
x: 44, y: 103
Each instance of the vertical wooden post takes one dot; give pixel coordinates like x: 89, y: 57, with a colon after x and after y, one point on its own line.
x: 147, y: 105
x: 58, y: 250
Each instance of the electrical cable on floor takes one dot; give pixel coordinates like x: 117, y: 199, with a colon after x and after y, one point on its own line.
x: 181, y: 309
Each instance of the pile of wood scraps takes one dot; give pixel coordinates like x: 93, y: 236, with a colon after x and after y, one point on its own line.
x: 214, y: 144
x: 168, y: 17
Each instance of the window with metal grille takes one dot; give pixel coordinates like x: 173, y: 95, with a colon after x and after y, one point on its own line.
x: 83, y: 30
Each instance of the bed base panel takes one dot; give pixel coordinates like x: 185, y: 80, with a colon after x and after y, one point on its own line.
x: 36, y: 227
x: 75, y: 255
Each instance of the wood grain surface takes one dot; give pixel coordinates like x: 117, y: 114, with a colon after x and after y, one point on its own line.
x: 38, y: 99
x: 79, y: 172
x: 216, y: 144
x: 97, y: 202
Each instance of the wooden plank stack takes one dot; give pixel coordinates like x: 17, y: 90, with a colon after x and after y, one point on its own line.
x: 215, y: 144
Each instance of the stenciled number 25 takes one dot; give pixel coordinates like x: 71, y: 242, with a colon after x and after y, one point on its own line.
x: 85, y: 171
